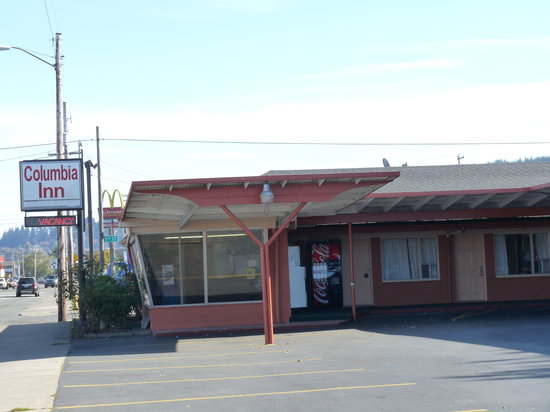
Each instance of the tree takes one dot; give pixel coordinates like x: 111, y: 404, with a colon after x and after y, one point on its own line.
x: 42, y: 260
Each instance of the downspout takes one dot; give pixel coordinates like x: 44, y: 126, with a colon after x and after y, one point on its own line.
x: 352, y: 274
x: 277, y: 282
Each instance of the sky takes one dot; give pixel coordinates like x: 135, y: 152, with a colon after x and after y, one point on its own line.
x: 212, y: 88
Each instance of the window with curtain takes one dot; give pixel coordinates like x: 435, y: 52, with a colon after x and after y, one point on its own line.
x: 522, y: 254
x: 409, y: 259
x: 202, y: 267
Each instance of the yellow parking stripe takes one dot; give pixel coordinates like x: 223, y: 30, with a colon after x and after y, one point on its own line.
x: 274, y: 375
x: 223, y: 365
x: 474, y: 410
x: 471, y: 314
x: 243, y: 395
x: 214, y: 355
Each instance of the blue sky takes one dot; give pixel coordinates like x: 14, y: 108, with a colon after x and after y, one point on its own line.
x: 368, y: 72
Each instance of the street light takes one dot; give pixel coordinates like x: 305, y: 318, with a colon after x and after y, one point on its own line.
x: 61, y: 262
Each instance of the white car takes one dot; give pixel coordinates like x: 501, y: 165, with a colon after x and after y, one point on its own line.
x: 3, y: 283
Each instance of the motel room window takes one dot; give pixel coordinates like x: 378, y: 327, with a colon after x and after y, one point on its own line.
x: 522, y: 254
x: 202, y: 267
x: 409, y: 259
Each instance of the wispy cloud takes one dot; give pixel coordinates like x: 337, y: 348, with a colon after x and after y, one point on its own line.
x: 388, y: 67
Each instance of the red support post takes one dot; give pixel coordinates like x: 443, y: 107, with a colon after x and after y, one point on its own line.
x: 266, y: 266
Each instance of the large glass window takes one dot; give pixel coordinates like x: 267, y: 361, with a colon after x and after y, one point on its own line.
x: 234, y: 272
x: 522, y: 254
x: 202, y: 267
x: 409, y: 259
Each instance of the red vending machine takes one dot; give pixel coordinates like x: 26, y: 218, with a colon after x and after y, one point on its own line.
x: 326, y: 274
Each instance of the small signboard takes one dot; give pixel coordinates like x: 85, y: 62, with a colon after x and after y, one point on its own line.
x: 111, y: 224
x: 47, y: 221
x: 113, y: 213
x: 113, y: 238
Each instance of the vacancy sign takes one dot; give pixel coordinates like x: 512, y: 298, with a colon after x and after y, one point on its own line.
x: 51, y: 184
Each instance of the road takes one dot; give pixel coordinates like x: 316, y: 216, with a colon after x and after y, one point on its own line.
x: 33, y: 346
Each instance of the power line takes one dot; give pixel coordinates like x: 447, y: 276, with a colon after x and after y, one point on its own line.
x: 23, y: 157
x: 477, y: 143
x: 282, y: 143
x: 126, y: 170
x: 48, y: 16
x: 42, y: 144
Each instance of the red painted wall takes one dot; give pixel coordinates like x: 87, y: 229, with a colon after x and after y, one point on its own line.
x: 205, y: 316
x: 514, y: 288
x: 411, y: 292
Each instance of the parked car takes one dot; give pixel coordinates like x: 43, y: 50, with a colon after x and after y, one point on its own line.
x: 27, y: 285
x: 3, y: 283
x: 51, y: 281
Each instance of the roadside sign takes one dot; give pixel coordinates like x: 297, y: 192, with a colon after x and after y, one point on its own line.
x: 112, y: 213
x: 48, y: 221
x: 51, y: 184
x: 113, y: 238
x: 111, y: 224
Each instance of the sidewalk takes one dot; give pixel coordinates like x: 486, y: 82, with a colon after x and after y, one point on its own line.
x: 32, y: 355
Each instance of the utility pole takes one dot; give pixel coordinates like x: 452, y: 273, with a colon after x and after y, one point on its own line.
x: 100, y: 207
x: 89, y: 166
x: 61, y: 154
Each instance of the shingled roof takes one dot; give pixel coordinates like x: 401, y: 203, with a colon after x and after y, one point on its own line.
x: 414, y: 179
x: 454, y: 187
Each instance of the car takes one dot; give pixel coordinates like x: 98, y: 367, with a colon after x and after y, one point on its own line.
x: 27, y: 285
x: 3, y: 283
x: 51, y: 281
x: 12, y: 283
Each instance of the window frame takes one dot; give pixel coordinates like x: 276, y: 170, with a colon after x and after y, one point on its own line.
x: 532, y: 257
x: 418, y: 239
x: 145, y: 276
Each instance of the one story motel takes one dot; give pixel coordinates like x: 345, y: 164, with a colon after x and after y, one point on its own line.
x: 248, y: 251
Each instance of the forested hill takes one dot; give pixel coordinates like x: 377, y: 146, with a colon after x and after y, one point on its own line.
x: 23, y: 237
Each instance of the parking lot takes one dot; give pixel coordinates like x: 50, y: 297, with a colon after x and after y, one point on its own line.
x: 467, y: 361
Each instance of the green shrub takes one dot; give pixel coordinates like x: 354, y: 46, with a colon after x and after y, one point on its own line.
x: 111, y: 300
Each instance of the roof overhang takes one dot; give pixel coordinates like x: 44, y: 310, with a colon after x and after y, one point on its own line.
x: 438, y: 205
x: 190, y: 200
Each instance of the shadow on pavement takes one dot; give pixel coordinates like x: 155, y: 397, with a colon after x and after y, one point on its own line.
x: 518, y: 329
x: 34, y: 341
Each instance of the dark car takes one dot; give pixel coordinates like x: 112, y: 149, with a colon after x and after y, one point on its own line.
x: 27, y: 285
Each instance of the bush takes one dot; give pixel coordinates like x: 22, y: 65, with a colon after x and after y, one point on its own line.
x: 111, y: 300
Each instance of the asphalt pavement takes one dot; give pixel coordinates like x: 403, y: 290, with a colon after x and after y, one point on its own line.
x: 473, y: 360
x: 33, y: 347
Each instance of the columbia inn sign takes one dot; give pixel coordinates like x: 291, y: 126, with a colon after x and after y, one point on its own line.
x: 51, y: 185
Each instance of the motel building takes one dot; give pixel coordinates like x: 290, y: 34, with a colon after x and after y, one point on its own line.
x: 247, y: 252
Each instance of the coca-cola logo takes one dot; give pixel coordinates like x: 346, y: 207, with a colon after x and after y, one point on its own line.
x: 320, y: 252
x: 320, y: 291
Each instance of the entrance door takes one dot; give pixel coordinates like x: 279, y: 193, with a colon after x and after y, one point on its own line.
x: 363, y: 272
x: 469, y: 268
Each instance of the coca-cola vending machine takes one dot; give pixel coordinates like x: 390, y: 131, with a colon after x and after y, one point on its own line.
x: 326, y: 274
